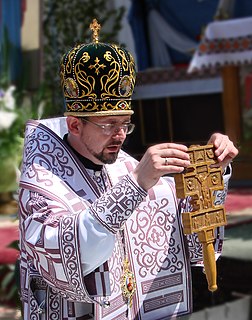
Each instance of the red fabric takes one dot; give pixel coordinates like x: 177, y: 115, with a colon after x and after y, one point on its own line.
x: 23, y: 8
x: 239, y: 200
x: 7, y: 236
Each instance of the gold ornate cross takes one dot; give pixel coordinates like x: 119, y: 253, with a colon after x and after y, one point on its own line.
x: 95, y: 27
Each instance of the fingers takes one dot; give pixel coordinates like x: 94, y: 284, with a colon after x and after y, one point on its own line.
x: 175, y: 163
x: 171, y: 151
x: 170, y: 146
x: 170, y: 156
x: 225, y: 150
x: 159, y: 160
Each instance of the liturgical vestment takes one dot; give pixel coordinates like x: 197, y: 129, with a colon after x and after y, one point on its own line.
x: 78, y: 225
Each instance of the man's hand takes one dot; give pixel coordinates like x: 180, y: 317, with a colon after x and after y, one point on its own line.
x: 158, y: 160
x: 167, y: 158
x: 225, y: 150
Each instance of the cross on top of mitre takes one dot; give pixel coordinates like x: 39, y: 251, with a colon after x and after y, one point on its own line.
x: 95, y: 27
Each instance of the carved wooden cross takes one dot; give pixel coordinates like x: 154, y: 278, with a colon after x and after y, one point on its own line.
x: 199, y: 181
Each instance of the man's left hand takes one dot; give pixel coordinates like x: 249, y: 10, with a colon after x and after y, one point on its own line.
x: 225, y: 150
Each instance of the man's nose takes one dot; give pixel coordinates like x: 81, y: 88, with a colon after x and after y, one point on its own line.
x: 119, y: 130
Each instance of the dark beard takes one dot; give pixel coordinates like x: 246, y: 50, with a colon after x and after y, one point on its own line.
x: 109, y: 159
x: 105, y: 159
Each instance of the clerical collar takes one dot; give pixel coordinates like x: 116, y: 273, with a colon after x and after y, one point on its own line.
x: 85, y: 161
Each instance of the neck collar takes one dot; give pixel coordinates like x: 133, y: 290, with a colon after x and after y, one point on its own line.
x: 85, y: 161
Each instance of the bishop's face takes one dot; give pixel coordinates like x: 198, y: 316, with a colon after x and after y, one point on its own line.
x: 100, y: 138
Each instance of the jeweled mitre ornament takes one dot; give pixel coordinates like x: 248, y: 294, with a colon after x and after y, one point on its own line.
x: 98, y: 78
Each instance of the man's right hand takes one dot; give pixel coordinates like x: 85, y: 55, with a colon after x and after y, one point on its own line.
x: 158, y: 160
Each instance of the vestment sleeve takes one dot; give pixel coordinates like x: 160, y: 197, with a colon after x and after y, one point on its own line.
x: 108, y: 214
x: 65, y: 245
x: 114, y: 207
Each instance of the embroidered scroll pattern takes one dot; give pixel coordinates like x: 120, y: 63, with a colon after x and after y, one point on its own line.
x: 221, y: 195
x: 115, y: 266
x: 33, y: 308
x: 54, y: 306
x: 153, y: 232
x: 70, y: 260
x: 43, y: 157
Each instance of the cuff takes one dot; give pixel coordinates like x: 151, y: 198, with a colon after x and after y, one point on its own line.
x: 114, y: 207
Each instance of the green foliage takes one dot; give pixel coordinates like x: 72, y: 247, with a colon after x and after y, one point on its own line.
x: 65, y: 24
x: 5, y: 49
x: 9, y: 284
x: 11, y: 117
x: 16, y: 107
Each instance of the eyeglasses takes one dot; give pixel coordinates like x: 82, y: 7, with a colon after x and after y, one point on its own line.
x: 110, y: 128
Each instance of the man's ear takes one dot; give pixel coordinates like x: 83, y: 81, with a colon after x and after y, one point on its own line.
x: 74, y: 125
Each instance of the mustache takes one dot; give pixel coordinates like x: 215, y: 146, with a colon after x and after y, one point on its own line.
x: 115, y: 143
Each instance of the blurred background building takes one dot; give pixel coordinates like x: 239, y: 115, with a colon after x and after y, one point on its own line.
x: 170, y: 102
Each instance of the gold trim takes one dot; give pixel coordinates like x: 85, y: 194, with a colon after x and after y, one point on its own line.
x: 99, y: 113
x: 128, y: 283
x: 95, y: 27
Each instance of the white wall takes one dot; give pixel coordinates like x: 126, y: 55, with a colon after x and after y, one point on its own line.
x: 125, y: 34
x: 30, y: 32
